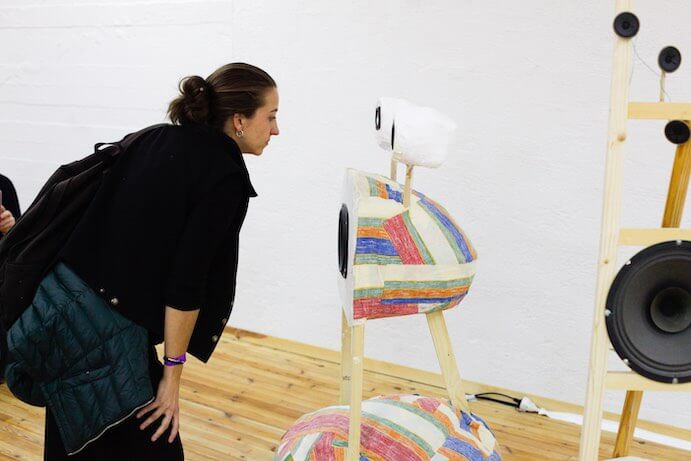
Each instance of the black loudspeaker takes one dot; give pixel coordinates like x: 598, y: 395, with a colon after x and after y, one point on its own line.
x: 648, y: 312
x: 343, y: 241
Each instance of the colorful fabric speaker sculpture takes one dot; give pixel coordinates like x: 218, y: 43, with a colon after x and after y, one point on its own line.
x: 399, y: 253
x: 394, y: 428
x: 400, y: 261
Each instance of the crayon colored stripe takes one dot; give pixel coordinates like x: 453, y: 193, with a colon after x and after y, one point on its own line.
x: 465, y: 449
x: 416, y: 410
x: 402, y: 241
x: 322, y: 450
x: 404, y: 432
x: 370, y: 222
x: 373, y: 309
x: 388, y: 443
x: 436, y: 294
x: 372, y: 232
x: 379, y: 260
x: 394, y: 194
x: 450, y: 230
x: 360, y: 293
x: 373, y: 187
x: 419, y: 242
x: 450, y: 455
x: 419, y: 300
x: 440, y: 284
x: 375, y: 246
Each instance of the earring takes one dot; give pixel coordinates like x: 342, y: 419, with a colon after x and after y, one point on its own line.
x: 240, y: 133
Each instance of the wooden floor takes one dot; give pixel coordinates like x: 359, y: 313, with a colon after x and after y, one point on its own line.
x: 238, y: 406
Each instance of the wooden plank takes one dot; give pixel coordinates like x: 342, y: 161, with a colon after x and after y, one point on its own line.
x: 447, y: 360
x: 346, y: 360
x: 678, y: 186
x: 659, y: 110
x: 609, y: 233
x: 408, y: 185
x: 238, y: 406
x: 415, y: 378
x: 647, y: 237
x: 357, y: 355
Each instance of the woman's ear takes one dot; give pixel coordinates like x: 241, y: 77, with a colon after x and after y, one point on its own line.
x: 238, y: 121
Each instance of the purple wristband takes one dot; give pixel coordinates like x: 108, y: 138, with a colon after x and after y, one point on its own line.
x: 173, y: 361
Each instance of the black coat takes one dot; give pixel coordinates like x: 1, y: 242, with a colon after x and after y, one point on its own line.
x: 163, y: 230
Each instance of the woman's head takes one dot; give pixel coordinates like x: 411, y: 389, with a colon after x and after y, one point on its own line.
x: 238, y: 99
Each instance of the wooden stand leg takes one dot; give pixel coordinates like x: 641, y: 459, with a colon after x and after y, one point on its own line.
x: 346, y: 360
x: 447, y: 360
x: 408, y: 185
x: 394, y: 169
x: 357, y: 353
x: 627, y: 423
x: 614, y: 165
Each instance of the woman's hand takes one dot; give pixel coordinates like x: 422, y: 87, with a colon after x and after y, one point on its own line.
x: 6, y: 220
x: 166, y: 405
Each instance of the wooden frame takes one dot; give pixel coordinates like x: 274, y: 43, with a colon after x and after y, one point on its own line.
x: 612, y: 236
x: 352, y: 355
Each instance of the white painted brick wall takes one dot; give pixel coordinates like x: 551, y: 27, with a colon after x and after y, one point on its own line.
x: 527, y: 82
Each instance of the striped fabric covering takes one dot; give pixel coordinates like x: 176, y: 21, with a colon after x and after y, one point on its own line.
x: 393, y: 428
x: 406, y: 261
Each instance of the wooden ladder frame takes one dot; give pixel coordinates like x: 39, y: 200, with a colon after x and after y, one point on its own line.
x: 612, y: 236
x: 352, y: 356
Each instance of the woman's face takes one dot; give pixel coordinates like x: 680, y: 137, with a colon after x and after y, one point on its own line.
x: 258, y: 129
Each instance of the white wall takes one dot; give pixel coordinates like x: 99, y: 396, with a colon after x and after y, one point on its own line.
x: 527, y: 82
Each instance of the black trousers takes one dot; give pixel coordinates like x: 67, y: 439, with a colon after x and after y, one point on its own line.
x: 122, y: 442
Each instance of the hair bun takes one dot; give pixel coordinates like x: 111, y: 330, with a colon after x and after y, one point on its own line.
x: 193, y: 104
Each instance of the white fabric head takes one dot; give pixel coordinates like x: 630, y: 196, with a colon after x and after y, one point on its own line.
x: 415, y: 135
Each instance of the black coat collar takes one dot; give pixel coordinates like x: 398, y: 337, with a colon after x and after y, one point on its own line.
x: 227, y: 144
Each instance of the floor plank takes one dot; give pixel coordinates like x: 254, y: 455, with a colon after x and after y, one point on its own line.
x: 238, y: 406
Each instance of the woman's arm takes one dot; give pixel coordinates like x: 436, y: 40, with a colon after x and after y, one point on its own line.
x: 178, y: 330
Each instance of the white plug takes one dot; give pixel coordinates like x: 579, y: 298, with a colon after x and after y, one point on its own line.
x: 528, y: 406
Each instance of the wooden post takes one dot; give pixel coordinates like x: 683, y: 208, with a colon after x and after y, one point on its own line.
x: 346, y: 360
x: 447, y: 360
x: 627, y: 423
x: 678, y: 186
x: 357, y: 353
x: 618, y: 113
x: 394, y: 169
x: 674, y: 209
x: 408, y: 185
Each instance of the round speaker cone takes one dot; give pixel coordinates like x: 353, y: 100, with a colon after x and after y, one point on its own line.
x: 343, y: 241
x: 670, y: 310
x: 677, y: 132
x: 649, y: 312
x: 626, y: 24
x: 669, y: 59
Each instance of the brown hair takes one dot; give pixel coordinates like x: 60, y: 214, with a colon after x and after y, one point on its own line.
x: 235, y: 88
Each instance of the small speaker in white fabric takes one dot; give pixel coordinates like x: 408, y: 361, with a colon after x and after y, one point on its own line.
x: 414, y: 135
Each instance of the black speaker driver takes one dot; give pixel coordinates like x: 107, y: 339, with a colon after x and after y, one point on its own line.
x: 626, y: 24
x: 343, y: 241
x: 648, y: 312
x: 677, y: 132
x: 669, y: 59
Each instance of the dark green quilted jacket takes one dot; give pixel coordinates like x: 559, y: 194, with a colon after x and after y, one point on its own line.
x: 71, y: 351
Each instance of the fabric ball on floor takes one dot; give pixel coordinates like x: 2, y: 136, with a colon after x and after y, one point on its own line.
x: 393, y: 428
